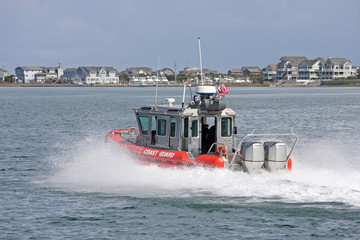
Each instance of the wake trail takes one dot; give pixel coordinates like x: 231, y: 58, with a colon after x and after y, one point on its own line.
x: 317, y: 176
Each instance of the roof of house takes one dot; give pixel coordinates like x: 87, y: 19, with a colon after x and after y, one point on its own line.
x: 251, y: 69
x: 33, y: 68
x: 135, y: 70
x: 338, y: 60
x: 295, y: 60
x: 236, y: 70
x: 48, y: 69
x: 310, y: 62
x: 272, y: 66
x: 70, y: 70
x: 88, y: 70
x: 3, y: 71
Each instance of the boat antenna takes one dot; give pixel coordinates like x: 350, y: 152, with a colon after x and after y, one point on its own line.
x: 156, y: 82
x: 183, y: 99
x: 201, y: 73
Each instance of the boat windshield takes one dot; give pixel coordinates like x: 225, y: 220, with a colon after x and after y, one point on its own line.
x: 144, y: 124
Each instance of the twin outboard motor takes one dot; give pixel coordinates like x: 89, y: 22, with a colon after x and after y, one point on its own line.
x: 252, y: 156
x: 255, y: 156
x: 275, y: 155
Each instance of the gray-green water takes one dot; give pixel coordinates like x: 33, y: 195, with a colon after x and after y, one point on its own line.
x: 59, y: 180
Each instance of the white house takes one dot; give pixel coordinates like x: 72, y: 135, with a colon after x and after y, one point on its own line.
x: 95, y: 75
x: 27, y: 74
x: 309, y: 70
x: 269, y: 73
x: 37, y: 74
x: 287, y: 68
x: 336, y: 68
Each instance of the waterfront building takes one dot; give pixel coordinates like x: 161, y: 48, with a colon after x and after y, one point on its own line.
x: 251, y: 70
x: 3, y: 74
x: 68, y: 74
x: 269, y: 73
x: 189, y: 71
x: 37, y: 74
x: 136, y: 71
x: 336, y: 68
x: 27, y: 74
x: 40, y: 77
x: 309, y: 70
x: 167, y: 71
x: 95, y: 75
x: 287, y: 68
x: 235, y: 71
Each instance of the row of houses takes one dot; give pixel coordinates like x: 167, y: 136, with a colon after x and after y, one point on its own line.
x: 83, y: 75
x: 289, y: 68
x: 301, y: 69
x: 80, y: 75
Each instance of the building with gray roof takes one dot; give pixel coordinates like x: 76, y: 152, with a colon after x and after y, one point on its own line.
x: 309, y: 70
x: 95, y: 75
x: 287, y: 68
x: 35, y: 74
x: 336, y: 68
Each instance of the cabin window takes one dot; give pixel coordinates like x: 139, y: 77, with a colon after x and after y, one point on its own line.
x: 194, y: 128
x: 186, y: 127
x: 153, y: 123
x: 172, y: 127
x: 144, y: 124
x: 162, y: 127
x: 226, y: 127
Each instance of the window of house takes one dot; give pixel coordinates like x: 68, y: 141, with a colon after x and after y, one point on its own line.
x: 144, y: 124
x: 226, y: 127
x: 161, y: 127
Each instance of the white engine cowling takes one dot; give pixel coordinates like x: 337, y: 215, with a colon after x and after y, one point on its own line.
x: 252, y: 156
x: 275, y: 155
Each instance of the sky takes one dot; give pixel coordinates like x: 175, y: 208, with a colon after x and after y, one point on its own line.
x: 128, y: 33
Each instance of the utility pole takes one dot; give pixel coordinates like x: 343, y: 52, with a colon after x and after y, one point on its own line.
x: 175, y: 72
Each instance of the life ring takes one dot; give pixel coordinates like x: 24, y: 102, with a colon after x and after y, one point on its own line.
x: 221, y: 151
x: 289, y: 165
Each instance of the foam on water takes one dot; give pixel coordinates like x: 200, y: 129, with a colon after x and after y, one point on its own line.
x: 320, y: 174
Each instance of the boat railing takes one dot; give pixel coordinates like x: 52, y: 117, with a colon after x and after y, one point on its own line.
x: 218, y: 145
x: 232, y: 163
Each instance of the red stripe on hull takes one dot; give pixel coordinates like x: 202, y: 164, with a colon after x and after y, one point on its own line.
x: 163, y: 158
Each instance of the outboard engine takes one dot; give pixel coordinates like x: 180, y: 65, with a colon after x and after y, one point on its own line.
x: 212, y: 104
x: 207, y: 100
x: 252, y: 156
x: 275, y: 155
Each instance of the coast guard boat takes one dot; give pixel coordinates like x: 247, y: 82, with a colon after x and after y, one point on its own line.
x: 203, y: 133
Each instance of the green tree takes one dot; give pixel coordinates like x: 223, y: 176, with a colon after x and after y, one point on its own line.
x: 10, y: 79
x: 124, y: 78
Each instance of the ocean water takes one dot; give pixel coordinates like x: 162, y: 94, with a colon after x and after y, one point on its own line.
x: 59, y: 180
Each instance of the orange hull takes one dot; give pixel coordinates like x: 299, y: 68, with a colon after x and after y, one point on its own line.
x: 163, y: 158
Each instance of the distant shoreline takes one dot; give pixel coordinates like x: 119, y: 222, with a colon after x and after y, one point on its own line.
x: 286, y: 84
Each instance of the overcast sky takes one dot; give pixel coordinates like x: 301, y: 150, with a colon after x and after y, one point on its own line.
x: 126, y: 33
